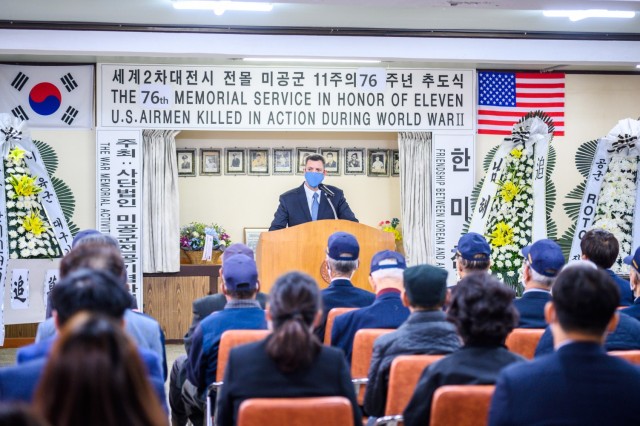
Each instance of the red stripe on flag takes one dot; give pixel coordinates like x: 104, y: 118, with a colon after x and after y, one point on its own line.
x: 508, y: 132
x: 511, y: 113
x: 539, y: 85
x: 539, y: 95
x: 511, y: 123
x: 546, y: 76
x: 540, y: 105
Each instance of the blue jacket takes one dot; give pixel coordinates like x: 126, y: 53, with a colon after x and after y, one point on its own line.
x: 202, y: 362
x: 18, y: 383
x: 579, y: 384
x: 294, y: 208
x: 341, y: 294
x: 633, y: 310
x: 625, y: 337
x: 386, y: 312
x: 626, y: 295
x: 531, y: 309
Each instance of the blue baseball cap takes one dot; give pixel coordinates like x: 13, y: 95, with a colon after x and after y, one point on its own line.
x: 545, y: 257
x: 240, y: 273
x: 387, y: 259
x: 237, y: 248
x: 473, y: 246
x: 82, y: 234
x: 343, y: 246
x: 634, y: 260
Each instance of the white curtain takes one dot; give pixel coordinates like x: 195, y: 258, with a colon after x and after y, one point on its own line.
x: 161, y: 210
x: 415, y: 195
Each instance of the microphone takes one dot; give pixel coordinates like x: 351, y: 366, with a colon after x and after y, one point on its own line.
x: 326, y: 190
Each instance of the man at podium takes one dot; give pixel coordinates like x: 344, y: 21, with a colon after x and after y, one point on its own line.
x: 312, y: 200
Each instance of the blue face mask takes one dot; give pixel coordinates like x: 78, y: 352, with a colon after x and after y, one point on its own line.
x: 313, y: 178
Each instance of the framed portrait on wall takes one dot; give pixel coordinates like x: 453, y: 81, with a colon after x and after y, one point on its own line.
x: 259, y: 161
x: 235, y: 161
x: 252, y: 235
x: 210, y: 162
x: 395, y: 162
x: 378, y: 160
x: 353, y: 161
x: 186, y: 158
x: 302, y: 154
x: 331, y: 160
x: 282, y: 161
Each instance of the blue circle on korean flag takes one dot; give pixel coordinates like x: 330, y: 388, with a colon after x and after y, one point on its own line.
x: 45, y: 98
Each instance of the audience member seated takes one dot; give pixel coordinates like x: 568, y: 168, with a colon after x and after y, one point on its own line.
x: 387, y: 311
x: 602, y: 248
x: 625, y: 336
x: 543, y: 261
x: 88, y: 290
x: 483, y: 312
x: 472, y: 255
x: 291, y: 362
x: 202, y: 308
x: 426, y: 331
x: 94, y: 376
x: 242, y: 312
x: 94, y: 250
x: 634, y: 280
x: 20, y: 414
x: 579, y: 383
x: 342, y: 261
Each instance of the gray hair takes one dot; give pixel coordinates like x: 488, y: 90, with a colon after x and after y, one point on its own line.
x: 539, y: 278
x: 343, y: 267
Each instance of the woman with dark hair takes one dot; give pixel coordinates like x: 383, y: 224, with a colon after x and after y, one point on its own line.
x: 483, y: 312
x: 291, y: 362
x: 94, y: 376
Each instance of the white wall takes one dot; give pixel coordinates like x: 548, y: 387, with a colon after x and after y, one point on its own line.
x: 237, y: 202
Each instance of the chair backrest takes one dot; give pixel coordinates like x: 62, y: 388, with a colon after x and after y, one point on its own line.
x: 317, y: 411
x: 232, y: 338
x: 461, y: 405
x: 331, y: 317
x: 523, y: 341
x: 633, y: 356
x: 403, y: 377
x: 362, y: 352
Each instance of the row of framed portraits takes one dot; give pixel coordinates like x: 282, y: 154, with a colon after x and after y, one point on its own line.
x: 286, y: 161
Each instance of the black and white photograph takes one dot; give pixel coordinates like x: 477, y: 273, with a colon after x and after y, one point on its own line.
x: 210, y: 162
x: 258, y: 161
x: 395, y: 158
x: 186, y: 161
x: 282, y: 164
x: 331, y: 160
x: 354, y: 161
x: 302, y: 154
x: 235, y: 161
x: 378, y: 162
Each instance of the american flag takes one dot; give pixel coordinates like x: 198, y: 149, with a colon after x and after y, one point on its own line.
x: 504, y: 98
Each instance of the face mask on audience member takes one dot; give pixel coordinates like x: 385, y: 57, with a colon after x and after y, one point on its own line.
x: 314, y: 178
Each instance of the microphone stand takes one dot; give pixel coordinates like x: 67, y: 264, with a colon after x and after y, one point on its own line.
x: 329, y: 193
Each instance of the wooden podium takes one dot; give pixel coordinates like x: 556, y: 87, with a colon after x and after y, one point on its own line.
x: 303, y: 248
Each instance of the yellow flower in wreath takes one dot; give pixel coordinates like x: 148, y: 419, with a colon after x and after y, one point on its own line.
x: 509, y: 191
x: 16, y: 154
x: 516, y: 153
x: 34, y: 224
x: 502, y: 235
x: 24, y: 185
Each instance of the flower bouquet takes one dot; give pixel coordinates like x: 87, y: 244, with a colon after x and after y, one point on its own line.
x: 193, y: 242
x: 391, y: 226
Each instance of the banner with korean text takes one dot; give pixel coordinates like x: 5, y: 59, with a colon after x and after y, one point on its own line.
x: 284, y: 98
x: 452, y: 182
x: 119, y: 197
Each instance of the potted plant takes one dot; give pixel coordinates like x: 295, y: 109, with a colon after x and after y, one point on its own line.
x: 193, y: 242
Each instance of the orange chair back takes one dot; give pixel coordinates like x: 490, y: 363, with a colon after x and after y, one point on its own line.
x: 318, y: 411
x: 632, y: 356
x: 461, y: 405
x: 331, y: 317
x: 232, y: 338
x: 362, y: 352
x: 403, y: 377
x: 523, y: 341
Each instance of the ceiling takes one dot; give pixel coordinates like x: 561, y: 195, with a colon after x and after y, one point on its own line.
x: 414, y: 19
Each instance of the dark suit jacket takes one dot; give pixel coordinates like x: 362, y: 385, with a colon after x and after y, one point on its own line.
x: 531, y: 309
x: 633, y: 310
x: 625, y: 337
x: 204, y: 306
x: 579, y: 384
x: 251, y: 373
x: 626, y: 295
x: 341, y: 293
x: 386, y: 312
x: 294, y: 209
